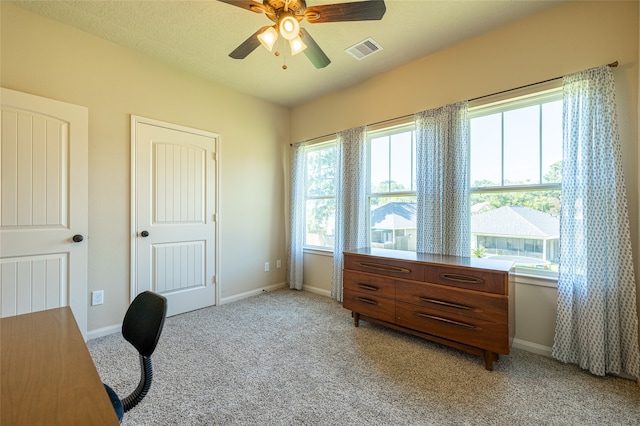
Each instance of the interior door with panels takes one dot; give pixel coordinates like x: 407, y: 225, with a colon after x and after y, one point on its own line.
x: 174, y: 218
x: 43, y: 206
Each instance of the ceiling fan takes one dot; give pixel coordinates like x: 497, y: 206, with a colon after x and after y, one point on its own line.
x: 287, y: 15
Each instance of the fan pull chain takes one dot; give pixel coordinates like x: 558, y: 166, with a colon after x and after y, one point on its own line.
x: 284, y: 56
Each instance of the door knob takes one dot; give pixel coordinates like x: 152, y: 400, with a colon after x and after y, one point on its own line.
x: 144, y: 234
x: 77, y: 238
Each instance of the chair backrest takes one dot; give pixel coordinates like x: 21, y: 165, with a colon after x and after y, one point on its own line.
x: 144, y: 320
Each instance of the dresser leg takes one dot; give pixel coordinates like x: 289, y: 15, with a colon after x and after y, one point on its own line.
x: 489, y: 358
x: 356, y: 318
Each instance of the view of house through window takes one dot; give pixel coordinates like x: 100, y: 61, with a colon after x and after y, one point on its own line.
x: 392, y: 188
x: 515, y: 173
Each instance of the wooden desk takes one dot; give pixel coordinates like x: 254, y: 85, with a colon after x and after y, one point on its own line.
x: 47, y: 374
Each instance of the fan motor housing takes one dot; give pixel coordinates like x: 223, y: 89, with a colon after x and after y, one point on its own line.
x: 296, y: 7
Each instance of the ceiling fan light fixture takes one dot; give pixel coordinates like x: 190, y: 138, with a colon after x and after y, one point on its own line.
x: 297, y: 45
x: 289, y: 26
x: 268, y: 38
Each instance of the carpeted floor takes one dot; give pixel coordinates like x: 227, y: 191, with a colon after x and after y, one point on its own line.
x: 295, y: 358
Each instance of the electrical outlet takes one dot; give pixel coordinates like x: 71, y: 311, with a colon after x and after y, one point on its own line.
x: 97, y: 297
x: 278, y: 264
x: 266, y: 266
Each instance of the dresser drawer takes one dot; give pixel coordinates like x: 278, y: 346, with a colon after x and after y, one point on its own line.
x: 474, y: 279
x: 474, y: 332
x: 386, y: 267
x: 369, y: 284
x: 369, y: 304
x: 488, y: 307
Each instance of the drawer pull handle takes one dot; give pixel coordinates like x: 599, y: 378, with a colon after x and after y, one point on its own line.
x: 367, y: 301
x: 387, y: 268
x: 462, y: 278
x: 448, y: 321
x: 368, y: 287
x: 443, y: 303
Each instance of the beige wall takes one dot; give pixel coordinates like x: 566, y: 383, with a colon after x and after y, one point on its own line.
x: 561, y: 40
x: 45, y: 58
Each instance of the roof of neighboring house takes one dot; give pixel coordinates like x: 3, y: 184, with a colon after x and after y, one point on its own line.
x: 516, y: 221
x: 480, y: 208
x: 509, y: 220
x: 394, y: 216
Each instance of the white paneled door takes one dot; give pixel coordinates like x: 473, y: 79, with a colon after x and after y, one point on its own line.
x: 174, y: 213
x: 43, y: 206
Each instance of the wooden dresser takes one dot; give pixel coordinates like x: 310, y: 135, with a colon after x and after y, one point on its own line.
x: 465, y: 303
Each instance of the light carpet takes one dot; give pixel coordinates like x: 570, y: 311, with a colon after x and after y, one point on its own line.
x: 295, y: 358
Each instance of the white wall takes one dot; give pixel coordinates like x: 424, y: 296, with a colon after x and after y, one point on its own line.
x: 45, y: 58
x: 561, y: 40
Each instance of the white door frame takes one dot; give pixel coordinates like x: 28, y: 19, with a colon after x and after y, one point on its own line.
x: 133, y: 230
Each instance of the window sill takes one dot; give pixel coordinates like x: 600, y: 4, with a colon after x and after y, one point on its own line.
x: 318, y: 251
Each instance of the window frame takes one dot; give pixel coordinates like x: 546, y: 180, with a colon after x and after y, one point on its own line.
x: 321, y: 145
x: 390, y: 129
x: 532, y: 96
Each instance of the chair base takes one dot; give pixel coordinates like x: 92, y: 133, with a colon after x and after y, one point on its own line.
x: 115, y: 401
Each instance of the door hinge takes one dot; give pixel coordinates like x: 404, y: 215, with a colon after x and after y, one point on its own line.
x: 213, y: 156
x: 213, y: 217
x: 213, y: 280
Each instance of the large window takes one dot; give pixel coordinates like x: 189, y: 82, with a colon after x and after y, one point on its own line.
x: 515, y: 176
x: 320, y: 196
x: 515, y: 173
x: 392, y: 188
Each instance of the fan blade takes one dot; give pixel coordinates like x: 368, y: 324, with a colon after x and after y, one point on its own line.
x: 313, y: 52
x: 247, y: 46
x: 246, y: 4
x: 355, y: 11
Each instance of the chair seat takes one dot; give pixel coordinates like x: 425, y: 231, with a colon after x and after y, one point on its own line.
x: 115, y: 401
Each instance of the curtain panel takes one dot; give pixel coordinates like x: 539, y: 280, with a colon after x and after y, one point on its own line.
x: 442, y: 180
x: 351, y: 200
x: 597, y: 323
x: 296, y: 223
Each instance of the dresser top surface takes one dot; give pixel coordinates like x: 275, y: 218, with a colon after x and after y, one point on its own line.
x: 467, y: 262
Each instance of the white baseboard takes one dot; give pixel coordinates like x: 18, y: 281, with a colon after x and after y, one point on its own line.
x: 104, y: 331
x: 235, y: 298
x: 532, y: 347
x: 317, y: 290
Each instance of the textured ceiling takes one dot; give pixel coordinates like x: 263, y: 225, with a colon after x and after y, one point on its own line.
x: 197, y: 36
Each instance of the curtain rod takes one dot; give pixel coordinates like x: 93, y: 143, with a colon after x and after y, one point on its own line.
x: 612, y: 65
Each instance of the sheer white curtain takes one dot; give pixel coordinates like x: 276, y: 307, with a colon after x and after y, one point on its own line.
x: 296, y: 222
x: 351, y: 200
x: 597, y: 323
x: 442, y: 188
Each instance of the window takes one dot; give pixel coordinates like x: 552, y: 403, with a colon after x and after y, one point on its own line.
x: 392, y: 188
x: 515, y: 176
x: 320, y: 196
x: 515, y: 173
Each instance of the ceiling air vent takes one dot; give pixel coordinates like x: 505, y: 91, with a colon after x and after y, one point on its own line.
x: 364, y: 48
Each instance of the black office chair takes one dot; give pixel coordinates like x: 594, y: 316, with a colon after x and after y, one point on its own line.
x: 141, y: 327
